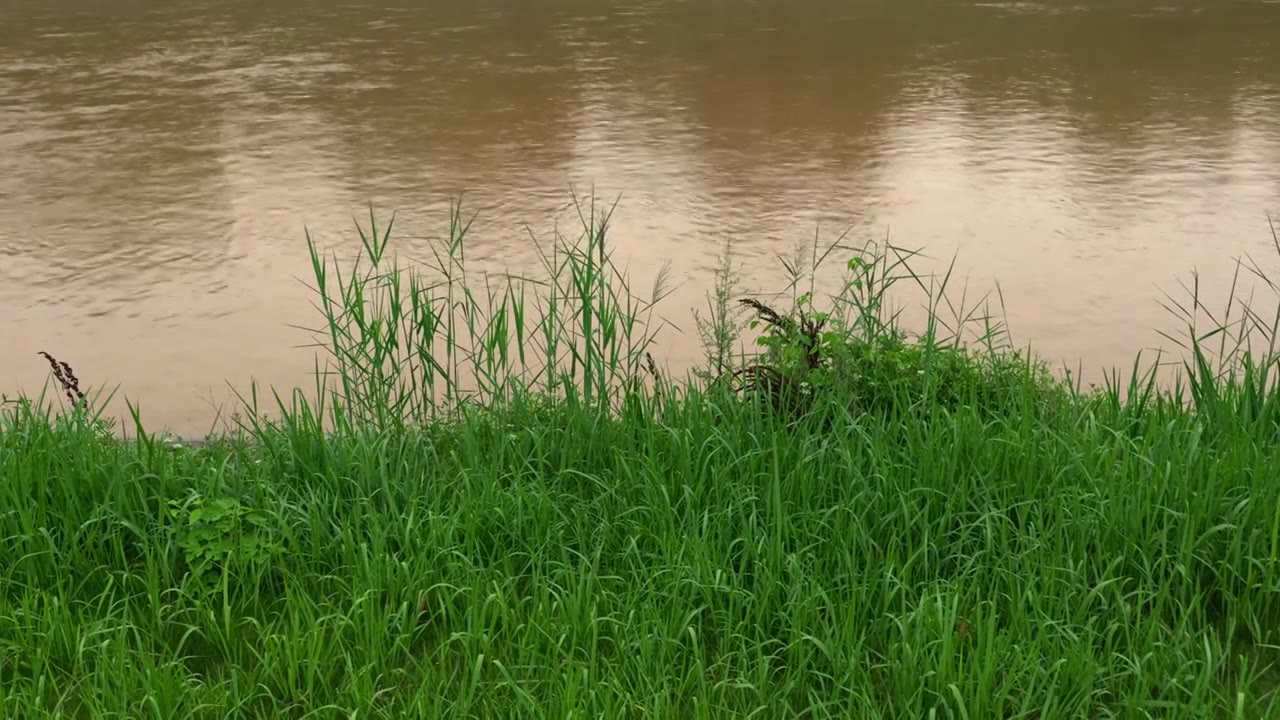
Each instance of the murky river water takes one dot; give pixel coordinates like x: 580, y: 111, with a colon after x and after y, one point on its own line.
x: 160, y: 160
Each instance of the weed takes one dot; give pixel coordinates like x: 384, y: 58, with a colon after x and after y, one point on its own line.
x: 66, y: 378
x: 222, y: 535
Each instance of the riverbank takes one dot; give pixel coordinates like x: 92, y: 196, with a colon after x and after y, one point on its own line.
x: 853, y: 522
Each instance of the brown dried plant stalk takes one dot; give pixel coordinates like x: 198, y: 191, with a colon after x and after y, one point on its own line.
x: 66, y: 377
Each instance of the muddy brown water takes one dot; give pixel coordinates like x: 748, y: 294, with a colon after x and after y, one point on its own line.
x: 159, y: 161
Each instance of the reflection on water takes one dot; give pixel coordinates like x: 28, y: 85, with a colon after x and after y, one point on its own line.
x: 162, y: 159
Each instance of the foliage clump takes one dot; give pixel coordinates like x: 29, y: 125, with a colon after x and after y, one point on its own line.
x: 495, y: 504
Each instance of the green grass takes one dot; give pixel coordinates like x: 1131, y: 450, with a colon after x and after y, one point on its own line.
x: 493, y: 504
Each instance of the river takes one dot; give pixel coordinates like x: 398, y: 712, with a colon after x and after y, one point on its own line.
x: 160, y: 161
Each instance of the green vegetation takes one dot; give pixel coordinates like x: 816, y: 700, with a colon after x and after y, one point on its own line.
x: 494, y: 504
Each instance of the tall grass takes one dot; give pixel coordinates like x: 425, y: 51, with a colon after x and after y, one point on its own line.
x: 407, y: 343
x: 481, y: 511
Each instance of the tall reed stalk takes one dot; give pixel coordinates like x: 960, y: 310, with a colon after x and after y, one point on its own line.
x: 407, y: 344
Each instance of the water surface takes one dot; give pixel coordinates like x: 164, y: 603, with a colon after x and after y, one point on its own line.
x: 159, y: 161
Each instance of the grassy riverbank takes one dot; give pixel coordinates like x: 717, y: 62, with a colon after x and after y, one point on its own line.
x: 852, y: 523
